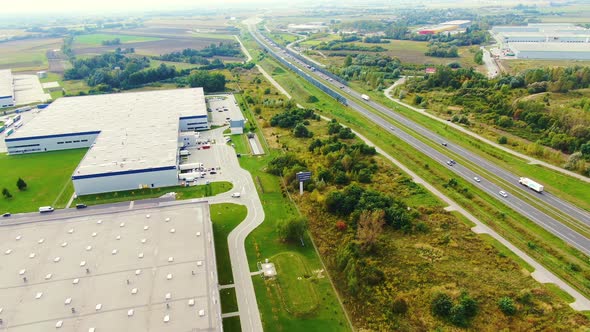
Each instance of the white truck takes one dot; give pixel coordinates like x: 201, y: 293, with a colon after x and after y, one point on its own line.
x: 365, y: 97
x: 531, y: 184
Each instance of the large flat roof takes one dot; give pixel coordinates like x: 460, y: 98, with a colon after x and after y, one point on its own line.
x: 6, y: 86
x: 551, y: 47
x: 122, y: 250
x: 138, y: 130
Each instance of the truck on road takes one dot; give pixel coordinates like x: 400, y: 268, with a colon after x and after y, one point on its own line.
x: 365, y: 97
x: 531, y: 184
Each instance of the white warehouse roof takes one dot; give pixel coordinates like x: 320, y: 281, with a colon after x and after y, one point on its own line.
x: 6, y: 83
x: 138, y: 130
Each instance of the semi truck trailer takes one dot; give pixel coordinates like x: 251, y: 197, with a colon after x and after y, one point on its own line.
x: 531, y: 184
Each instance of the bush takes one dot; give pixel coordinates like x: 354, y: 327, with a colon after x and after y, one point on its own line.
x: 399, y: 306
x: 441, y: 305
x: 503, y: 140
x: 506, y: 305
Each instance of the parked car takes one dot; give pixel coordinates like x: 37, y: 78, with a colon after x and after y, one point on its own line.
x: 213, y: 172
x: 81, y: 206
x: 45, y: 209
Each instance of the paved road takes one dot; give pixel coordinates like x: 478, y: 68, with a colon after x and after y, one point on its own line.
x: 558, y: 206
x: 491, y: 65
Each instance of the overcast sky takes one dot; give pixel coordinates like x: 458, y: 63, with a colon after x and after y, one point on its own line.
x: 68, y: 6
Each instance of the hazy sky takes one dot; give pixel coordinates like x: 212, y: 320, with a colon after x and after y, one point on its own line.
x: 67, y: 6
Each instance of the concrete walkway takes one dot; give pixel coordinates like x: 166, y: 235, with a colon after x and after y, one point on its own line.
x: 531, y: 160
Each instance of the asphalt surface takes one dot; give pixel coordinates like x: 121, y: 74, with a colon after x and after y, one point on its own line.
x: 564, y: 209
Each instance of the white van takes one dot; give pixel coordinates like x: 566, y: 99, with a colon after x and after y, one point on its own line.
x: 235, y: 195
x: 45, y: 209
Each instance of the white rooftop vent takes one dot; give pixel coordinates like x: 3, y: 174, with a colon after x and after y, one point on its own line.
x: 48, y: 276
x: 68, y: 301
x: 41, y: 240
x: 18, y: 237
x: 172, y: 230
x: 130, y: 312
x: 134, y: 291
x: 99, y: 222
x: 168, y: 296
x: 145, y: 228
x: 98, y: 306
x: 147, y: 216
x: 32, y: 255
x: 94, y: 234
x: 198, y: 233
x: 92, y: 329
x: 88, y: 248
x: 59, y: 324
x: 169, y: 276
x: 71, y: 230
x: 38, y: 296
x: 143, y: 240
x: 137, y: 272
x: 167, y: 219
x: 56, y: 259
x: 140, y: 255
x: 7, y: 252
x: 64, y: 244
x: 201, y: 312
x: 118, y: 237
x: 170, y: 259
x: 166, y: 318
x: 199, y: 263
x: 122, y: 224
x: 83, y: 263
x: 76, y: 281
x: 114, y: 252
x: 21, y: 272
x: 191, y: 302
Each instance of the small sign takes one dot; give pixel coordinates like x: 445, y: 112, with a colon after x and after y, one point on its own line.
x: 303, y: 176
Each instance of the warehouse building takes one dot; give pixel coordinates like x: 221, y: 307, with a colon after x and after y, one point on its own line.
x: 133, y: 137
x: 545, y: 41
x: 6, y: 88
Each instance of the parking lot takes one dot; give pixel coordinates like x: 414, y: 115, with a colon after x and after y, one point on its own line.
x: 222, y: 108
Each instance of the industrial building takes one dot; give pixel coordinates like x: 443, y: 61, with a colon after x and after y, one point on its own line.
x: 450, y: 26
x: 545, y: 41
x: 145, y: 268
x: 6, y: 88
x: 133, y: 138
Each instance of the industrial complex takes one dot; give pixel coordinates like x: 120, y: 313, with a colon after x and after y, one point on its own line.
x: 449, y: 27
x: 545, y: 41
x: 150, y: 268
x: 133, y: 138
x: 6, y: 88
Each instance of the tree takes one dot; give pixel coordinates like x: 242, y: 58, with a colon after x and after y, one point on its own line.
x: 301, y: 130
x: 503, y: 140
x: 507, y: 306
x: 441, y: 305
x: 348, y: 61
x: 292, y: 229
x: 21, y: 184
x: 6, y: 193
x: 370, y: 228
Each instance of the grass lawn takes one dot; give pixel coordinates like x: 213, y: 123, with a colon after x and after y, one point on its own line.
x: 197, y: 191
x: 225, y: 217
x: 296, y: 283
x: 47, y: 176
x: 96, y: 39
x: 229, y: 302
x: 240, y: 144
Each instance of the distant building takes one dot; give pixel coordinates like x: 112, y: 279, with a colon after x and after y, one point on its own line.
x: 236, y: 126
x: 430, y: 70
x: 133, y: 138
x: 312, y: 27
x: 6, y: 88
x: 459, y: 23
x: 42, y: 74
x: 545, y: 41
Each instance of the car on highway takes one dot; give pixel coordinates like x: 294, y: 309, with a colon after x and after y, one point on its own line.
x: 81, y: 206
x: 7, y: 214
x: 477, y: 179
x: 444, y: 143
x: 450, y: 163
x: 503, y: 193
x: 45, y: 209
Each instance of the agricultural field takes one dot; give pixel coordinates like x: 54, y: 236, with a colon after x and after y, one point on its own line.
x: 97, y: 39
x: 515, y: 66
x: 27, y: 55
x: 47, y: 175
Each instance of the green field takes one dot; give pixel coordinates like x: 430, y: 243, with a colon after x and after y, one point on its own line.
x: 225, y: 217
x: 96, y: 39
x: 296, y: 284
x: 229, y: 302
x: 232, y: 324
x: 204, y: 190
x: 47, y: 176
x: 27, y: 55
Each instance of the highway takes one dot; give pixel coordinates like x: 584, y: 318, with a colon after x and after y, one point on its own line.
x: 558, y: 206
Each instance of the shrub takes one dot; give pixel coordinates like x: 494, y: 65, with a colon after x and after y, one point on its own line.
x: 506, y: 305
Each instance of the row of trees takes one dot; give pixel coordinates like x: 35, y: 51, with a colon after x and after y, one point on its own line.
x: 193, y: 56
x: 20, y: 184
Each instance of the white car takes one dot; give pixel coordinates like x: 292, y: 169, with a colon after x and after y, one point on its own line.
x: 503, y: 193
x: 235, y: 195
x: 477, y: 179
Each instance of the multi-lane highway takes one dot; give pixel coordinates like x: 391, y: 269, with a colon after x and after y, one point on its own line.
x: 485, y: 168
